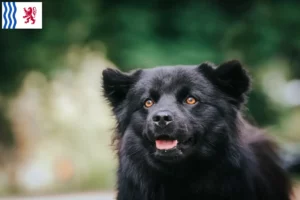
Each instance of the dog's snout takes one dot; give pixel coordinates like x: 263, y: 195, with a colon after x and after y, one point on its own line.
x: 162, y: 118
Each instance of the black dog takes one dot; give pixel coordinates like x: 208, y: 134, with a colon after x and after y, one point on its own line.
x: 181, y: 135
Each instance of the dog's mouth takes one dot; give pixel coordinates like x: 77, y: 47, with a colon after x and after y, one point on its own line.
x: 165, y: 142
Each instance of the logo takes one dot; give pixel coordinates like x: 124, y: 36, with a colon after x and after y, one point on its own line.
x: 21, y: 15
x: 30, y: 14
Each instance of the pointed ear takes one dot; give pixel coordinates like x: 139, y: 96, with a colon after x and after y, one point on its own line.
x: 116, y: 85
x: 230, y: 77
x: 233, y: 78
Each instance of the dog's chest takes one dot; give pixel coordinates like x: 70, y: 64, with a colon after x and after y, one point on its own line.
x: 182, y: 190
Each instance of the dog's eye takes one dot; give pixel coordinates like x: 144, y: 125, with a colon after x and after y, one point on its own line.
x: 148, y: 103
x: 191, y: 100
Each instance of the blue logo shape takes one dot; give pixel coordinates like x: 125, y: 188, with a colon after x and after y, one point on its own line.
x: 9, y: 18
x: 14, y: 15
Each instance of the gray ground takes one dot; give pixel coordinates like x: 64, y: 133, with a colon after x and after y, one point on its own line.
x: 101, y: 196
x: 87, y: 196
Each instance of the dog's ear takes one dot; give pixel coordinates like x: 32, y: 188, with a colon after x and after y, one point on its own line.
x: 116, y: 85
x: 230, y: 77
x: 233, y: 78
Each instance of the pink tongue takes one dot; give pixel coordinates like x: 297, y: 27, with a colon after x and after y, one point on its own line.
x: 166, y: 144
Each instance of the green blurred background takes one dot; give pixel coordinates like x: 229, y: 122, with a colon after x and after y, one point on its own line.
x: 55, y: 127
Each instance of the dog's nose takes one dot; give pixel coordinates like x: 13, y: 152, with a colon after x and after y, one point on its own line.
x: 162, y: 118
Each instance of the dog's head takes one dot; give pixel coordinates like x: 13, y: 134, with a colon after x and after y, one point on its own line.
x: 168, y: 114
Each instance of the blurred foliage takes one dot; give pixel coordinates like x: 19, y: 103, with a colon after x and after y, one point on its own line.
x: 6, y: 136
x: 149, y: 33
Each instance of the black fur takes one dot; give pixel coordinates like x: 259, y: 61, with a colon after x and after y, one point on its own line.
x: 219, y: 155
